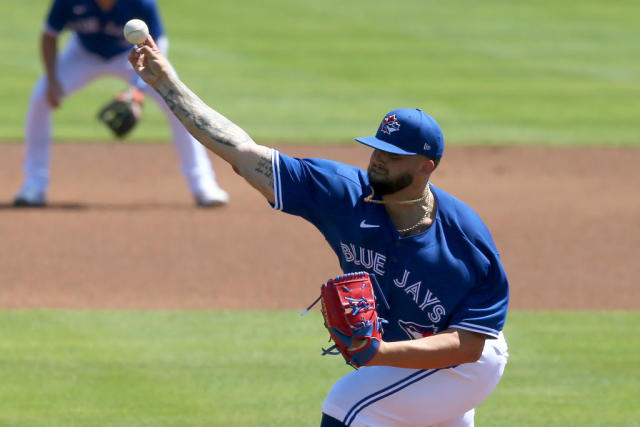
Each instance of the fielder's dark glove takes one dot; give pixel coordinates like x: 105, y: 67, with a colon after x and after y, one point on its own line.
x: 122, y: 113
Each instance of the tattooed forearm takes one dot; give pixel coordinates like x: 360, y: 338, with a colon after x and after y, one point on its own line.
x: 204, y: 122
x: 265, y: 168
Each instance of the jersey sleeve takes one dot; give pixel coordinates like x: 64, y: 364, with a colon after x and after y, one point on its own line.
x: 315, y: 189
x: 151, y: 15
x: 484, y: 308
x: 57, y: 17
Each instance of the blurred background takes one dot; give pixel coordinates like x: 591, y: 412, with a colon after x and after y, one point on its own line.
x: 537, y: 72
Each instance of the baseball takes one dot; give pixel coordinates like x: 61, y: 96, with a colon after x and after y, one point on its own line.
x: 136, y: 31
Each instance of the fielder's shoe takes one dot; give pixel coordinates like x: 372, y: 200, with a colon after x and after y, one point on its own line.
x: 212, y: 199
x: 30, y: 198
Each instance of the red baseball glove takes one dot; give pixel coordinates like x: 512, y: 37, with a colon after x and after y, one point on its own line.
x: 350, y: 316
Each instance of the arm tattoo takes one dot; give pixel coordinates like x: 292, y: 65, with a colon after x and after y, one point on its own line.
x: 264, y: 167
x: 193, y: 113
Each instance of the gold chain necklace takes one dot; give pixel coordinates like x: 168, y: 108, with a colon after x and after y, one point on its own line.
x: 370, y: 199
x: 429, y: 197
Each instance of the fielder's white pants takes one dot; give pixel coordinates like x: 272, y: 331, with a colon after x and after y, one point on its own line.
x: 77, y: 67
x: 387, y: 396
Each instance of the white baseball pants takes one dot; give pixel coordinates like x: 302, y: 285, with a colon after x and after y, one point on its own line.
x: 387, y: 396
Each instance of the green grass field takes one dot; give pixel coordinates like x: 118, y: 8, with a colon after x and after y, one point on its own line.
x: 62, y: 368
x: 543, y: 72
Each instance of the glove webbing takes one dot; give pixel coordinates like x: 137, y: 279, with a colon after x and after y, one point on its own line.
x: 375, y: 283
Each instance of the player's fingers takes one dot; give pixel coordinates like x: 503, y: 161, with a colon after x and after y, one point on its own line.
x: 133, y: 58
x: 146, y: 51
x: 53, y: 100
x: 51, y: 97
x: 150, y: 42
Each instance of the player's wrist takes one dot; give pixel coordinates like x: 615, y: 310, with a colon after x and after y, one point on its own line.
x: 163, y: 85
x: 379, y: 356
x: 165, y: 81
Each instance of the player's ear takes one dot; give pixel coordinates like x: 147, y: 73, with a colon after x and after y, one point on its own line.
x: 427, y: 165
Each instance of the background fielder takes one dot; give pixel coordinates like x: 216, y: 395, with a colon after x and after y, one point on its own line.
x: 97, y: 48
x: 443, y: 351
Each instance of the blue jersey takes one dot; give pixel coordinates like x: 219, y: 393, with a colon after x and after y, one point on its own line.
x: 450, y: 276
x: 101, y: 32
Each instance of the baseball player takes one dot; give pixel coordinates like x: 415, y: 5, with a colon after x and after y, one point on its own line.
x: 97, y: 48
x: 442, y: 351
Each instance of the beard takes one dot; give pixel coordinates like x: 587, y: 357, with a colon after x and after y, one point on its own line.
x: 383, y: 185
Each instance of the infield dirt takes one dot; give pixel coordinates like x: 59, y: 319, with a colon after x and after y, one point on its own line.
x: 122, y: 232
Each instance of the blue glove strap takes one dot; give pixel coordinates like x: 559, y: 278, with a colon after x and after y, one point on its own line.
x: 364, y: 355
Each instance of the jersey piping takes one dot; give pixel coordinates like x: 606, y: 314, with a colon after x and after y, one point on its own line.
x: 277, y: 183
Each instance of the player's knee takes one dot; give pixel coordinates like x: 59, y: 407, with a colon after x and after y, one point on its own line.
x: 328, y: 421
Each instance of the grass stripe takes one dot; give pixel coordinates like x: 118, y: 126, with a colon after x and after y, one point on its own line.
x: 544, y: 72
x: 117, y: 368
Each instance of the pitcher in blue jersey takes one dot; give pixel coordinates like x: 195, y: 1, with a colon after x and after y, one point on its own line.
x: 443, y: 351
x: 97, y: 48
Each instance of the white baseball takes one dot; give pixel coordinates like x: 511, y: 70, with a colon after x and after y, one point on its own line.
x: 136, y: 31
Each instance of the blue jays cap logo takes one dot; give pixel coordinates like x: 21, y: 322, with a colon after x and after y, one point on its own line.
x: 390, y: 124
x: 407, y: 131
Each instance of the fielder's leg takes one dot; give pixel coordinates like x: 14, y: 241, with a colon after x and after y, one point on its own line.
x: 194, y: 161
x: 37, y: 148
x: 75, y: 68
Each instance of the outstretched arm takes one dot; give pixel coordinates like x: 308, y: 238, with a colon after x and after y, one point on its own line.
x: 212, y: 129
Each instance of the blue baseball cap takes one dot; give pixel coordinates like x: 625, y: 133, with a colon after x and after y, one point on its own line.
x: 408, y: 131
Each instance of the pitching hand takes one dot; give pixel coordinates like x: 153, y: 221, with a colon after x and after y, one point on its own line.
x: 150, y: 63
